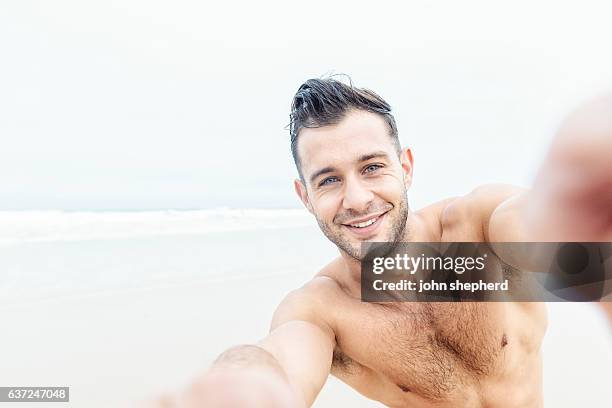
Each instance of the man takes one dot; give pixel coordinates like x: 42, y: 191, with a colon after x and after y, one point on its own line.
x: 354, y: 179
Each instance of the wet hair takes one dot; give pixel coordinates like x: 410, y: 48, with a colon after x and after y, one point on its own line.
x: 326, y: 101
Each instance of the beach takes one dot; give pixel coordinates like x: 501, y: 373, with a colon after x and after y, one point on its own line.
x: 124, y: 306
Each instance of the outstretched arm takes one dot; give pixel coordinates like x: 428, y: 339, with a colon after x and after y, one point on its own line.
x: 286, y: 369
x: 571, y: 199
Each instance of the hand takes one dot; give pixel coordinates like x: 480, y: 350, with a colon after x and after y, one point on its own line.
x: 572, y: 196
x: 234, y: 388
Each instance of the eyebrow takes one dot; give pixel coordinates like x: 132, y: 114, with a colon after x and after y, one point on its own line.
x: 318, y: 173
x: 371, y: 156
x: 363, y: 158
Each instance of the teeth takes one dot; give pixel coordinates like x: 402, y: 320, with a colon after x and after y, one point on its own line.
x: 365, y: 223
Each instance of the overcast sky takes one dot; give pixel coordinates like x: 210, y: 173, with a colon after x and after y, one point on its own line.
x: 183, y: 104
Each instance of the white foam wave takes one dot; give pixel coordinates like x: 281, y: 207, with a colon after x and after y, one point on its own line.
x: 33, y: 226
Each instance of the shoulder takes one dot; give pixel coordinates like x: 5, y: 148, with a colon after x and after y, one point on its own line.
x: 482, y: 199
x: 478, y: 205
x: 311, y: 303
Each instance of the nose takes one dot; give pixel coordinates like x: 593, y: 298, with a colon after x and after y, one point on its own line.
x: 357, y: 196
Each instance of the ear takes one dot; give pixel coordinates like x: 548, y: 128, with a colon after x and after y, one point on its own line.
x: 407, y: 166
x: 300, y: 189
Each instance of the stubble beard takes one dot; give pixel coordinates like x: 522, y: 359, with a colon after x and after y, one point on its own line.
x: 396, y: 234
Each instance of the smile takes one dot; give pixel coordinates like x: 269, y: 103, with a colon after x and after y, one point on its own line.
x: 366, y: 227
x: 365, y: 223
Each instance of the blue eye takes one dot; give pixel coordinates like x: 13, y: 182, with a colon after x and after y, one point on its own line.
x: 371, y: 168
x: 328, y: 181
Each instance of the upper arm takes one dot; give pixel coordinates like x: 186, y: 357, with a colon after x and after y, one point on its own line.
x: 301, y: 342
x: 493, y: 212
x: 507, y: 222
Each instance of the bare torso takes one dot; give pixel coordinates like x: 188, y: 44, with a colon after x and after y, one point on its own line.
x: 433, y: 354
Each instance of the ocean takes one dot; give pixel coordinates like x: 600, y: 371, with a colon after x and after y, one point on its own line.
x: 54, y: 253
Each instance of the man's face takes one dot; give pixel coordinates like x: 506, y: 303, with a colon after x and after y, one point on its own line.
x: 355, y: 183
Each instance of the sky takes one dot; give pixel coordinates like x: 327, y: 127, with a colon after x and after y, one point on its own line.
x: 143, y: 105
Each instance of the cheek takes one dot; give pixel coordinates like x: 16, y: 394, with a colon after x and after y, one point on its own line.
x: 389, y: 189
x: 326, y: 206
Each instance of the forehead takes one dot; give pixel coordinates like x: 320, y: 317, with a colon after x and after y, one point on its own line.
x: 358, y: 134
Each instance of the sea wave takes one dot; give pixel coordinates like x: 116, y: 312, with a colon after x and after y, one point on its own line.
x: 34, y: 226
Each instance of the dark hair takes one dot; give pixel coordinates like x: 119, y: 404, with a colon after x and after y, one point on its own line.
x: 324, y: 102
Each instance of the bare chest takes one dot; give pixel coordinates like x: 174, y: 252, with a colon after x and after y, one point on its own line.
x: 433, y: 350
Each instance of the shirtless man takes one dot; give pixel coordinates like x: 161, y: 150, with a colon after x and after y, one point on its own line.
x: 354, y: 179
